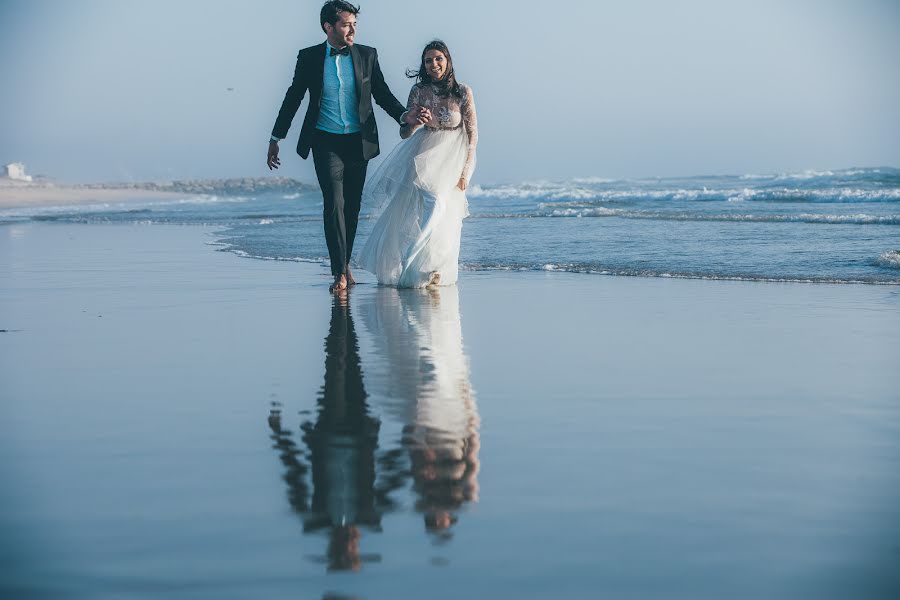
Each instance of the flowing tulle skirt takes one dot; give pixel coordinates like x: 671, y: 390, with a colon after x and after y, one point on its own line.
x: 420, y: 211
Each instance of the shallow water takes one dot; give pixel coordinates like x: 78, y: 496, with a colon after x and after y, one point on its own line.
x: 833, y: 226
x: 183, y: 423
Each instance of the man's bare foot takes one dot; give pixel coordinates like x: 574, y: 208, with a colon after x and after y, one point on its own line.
x: 339, y: 285
x: 435, y: 279
x: 350, y: 280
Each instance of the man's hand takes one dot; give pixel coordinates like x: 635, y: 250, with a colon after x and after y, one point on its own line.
x: 272, y: 159
x: 424, y: 115
x: 462, y: 184
x: 411, y: 117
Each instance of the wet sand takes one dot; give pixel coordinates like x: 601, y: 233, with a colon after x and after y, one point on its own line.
x: 186, y: 423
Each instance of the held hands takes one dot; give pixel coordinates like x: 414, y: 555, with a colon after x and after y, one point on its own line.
x: 272, y: 159
x: 417, y: 115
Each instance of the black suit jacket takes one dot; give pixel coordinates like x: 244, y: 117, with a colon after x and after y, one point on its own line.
x: 369, y: 84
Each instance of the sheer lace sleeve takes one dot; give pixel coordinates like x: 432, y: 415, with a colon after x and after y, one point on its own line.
x: 470, y: 122
x: 407, y: 130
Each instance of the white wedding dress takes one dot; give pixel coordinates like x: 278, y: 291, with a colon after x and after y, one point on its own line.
x: 414, y: 193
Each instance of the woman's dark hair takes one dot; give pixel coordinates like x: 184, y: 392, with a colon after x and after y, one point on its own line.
x: 446, y: 86
x: 331, y: 9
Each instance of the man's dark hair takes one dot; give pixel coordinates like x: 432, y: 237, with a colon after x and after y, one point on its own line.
x: 332, y: 8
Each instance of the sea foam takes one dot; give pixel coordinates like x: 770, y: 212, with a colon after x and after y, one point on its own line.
x: 600, y: 211
x: 890, y: 259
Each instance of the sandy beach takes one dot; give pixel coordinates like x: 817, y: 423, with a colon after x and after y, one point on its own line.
x: 19, y: 195
x: 164, y: 411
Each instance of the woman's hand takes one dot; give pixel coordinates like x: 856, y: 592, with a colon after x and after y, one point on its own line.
x: 462, y: 184
x: 416, y: 115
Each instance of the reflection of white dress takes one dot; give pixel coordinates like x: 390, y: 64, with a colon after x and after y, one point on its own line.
x: 415, y: 191
x: 419, y: 371
x: 420, y: 375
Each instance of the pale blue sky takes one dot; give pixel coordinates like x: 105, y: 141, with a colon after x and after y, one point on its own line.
x: 101, y: 90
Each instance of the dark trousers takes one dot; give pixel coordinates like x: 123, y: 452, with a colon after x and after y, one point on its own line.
x: 341, y: 171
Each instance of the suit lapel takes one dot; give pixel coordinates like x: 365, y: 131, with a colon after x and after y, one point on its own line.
x: 320, y: 63
x: 357, y: 69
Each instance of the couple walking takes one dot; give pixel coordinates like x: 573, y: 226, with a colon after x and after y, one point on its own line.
x: 419, y: 190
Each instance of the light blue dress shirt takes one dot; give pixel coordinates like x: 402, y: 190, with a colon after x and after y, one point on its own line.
x: 339, y: 110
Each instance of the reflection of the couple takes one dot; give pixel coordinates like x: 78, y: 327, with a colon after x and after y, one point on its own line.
x: 420, y: 375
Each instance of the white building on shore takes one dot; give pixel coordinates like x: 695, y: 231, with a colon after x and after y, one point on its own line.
x: 16, y: 171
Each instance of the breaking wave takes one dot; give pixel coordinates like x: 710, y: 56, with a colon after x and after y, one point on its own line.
x: 890, y: 259
x: 851, y: 219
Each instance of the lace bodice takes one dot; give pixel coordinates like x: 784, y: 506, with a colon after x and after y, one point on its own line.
x: 447, y: 112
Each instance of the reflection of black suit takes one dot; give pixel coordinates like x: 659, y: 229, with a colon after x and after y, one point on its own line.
x: 340, y: 160
x: 341, y: 450
x: 343, y: 441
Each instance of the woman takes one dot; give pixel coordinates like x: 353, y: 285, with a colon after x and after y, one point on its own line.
x: 419, y: 189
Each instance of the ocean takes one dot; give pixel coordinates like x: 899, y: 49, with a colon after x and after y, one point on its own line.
x: 840, y: 226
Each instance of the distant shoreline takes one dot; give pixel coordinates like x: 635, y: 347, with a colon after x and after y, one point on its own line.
x: 19, y: 194
x: 46, y: 195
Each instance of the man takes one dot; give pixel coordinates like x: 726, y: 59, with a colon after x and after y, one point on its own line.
x: 339, y: 127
